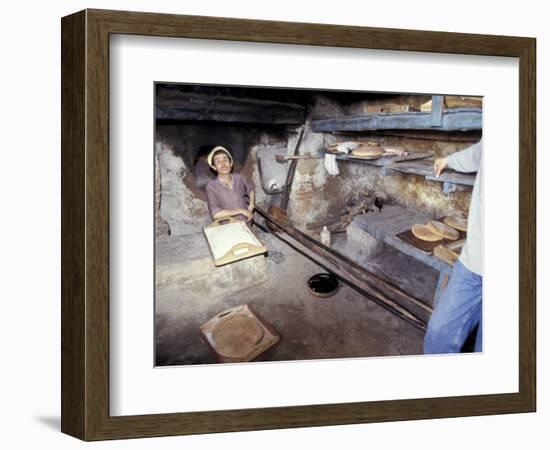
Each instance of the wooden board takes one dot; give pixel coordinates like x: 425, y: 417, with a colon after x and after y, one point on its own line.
x: 384, y: 160
x: 425, y: 246
x: 451, y: 120
x: 425, y: 168
x: 231, y: 240
x: 238, y: 334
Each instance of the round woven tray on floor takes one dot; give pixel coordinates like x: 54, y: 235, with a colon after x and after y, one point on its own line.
x: 237, y: 335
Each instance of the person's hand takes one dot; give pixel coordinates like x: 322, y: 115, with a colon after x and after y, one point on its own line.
x: 439, y: 165
x: 248, y: 214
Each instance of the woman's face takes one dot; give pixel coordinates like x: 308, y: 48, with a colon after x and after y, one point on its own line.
x: 222, y: 163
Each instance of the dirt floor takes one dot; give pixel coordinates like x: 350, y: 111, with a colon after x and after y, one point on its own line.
x: 190, y: 291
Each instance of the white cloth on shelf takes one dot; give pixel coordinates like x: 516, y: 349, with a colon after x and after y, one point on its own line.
x: 330, y: 164
x: 346, y: 147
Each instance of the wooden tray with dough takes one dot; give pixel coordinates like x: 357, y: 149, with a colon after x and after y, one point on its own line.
x: 232, y: 240
x: 238, y: 334
x: 425, y: 246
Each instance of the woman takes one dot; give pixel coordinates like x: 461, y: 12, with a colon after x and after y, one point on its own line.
x: 229, y: 195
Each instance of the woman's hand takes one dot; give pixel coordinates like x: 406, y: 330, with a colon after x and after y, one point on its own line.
x: 439, y: 165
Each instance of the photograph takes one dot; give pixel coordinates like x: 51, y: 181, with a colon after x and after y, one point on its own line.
x: 270, y: 225
x: 302, y: 224
x: 274, y: 224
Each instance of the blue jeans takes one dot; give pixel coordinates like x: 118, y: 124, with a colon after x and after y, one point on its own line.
x: 456, y: 314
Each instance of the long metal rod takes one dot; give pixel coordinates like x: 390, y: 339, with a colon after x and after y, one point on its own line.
x: 347, y: 274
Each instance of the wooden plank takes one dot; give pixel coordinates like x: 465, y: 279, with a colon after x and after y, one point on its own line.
x: 428, y: 247
x: 392, y: 221
x: 411, y: 156
x: 73, y: 225
x: 431, y: 135
x: 451, y: 120
x: 290, y: 174
x: 425, y: 168
x: 375, y: 288
x: 389, y: 107
x: 384, y: 161
x: 437, y: 111
x: 450, y: 176
x: 179, y: 102
x: 356, y: 282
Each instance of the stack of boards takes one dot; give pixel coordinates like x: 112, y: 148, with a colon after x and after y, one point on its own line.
x: 449, y: 229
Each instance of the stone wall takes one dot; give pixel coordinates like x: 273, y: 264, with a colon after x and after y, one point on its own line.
x: 181, y: 177
x: 315, y: 194
x: 161, y: 226
x: 182, y: 207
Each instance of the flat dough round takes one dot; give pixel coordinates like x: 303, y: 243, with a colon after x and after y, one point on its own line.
x: 237, y: 335
x: 445, y: 254
x: 444, y: 230
x: 368, y: 151
x: 425, y: 233
x: 457, y: 222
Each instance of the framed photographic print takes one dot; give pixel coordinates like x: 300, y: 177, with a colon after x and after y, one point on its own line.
x: 264, y: 224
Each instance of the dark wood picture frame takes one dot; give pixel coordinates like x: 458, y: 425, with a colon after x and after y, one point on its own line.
x: 85, y: 224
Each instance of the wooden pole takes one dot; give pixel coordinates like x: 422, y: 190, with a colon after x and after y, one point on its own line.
x: 291, y: 171
x: 373, y: 287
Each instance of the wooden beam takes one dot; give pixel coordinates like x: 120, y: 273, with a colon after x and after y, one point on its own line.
x: 195, y: 106
x: 451, y: 120
x: 290, y: 173
x: 469, y: 136
x: 367, y: 283
x: 437, y: 111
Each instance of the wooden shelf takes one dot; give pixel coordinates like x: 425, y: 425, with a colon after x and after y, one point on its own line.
x: 440, y: 119
x: 393, y: 220
x: 425, y: 168
x: 380, y: 162
x: 420, y: 164
x: 458, y: 119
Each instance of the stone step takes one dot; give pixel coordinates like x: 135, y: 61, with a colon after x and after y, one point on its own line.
x: 185, y: 262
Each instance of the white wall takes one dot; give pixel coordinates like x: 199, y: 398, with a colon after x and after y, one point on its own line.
x: 30, y: 227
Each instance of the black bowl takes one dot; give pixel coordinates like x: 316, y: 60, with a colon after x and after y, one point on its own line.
x: 323, y: 284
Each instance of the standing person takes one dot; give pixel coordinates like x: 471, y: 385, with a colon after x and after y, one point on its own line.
x: 229, y: 195
x: 459, y: 310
